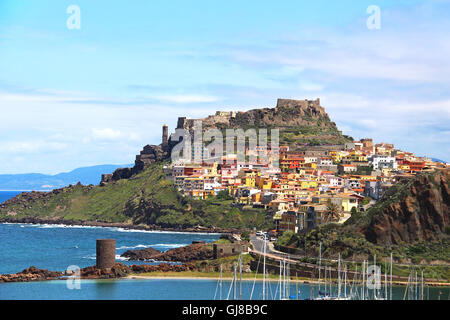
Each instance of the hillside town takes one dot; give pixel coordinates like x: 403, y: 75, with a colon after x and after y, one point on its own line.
x: 318, y: 185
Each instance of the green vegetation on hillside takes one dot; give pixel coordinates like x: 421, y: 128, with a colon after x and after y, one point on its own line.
x: 145, y: 199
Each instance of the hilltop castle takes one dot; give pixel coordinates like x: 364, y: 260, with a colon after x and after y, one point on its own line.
x: 287, y: 113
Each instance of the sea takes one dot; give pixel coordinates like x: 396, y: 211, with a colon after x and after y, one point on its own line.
x: 56, y: 247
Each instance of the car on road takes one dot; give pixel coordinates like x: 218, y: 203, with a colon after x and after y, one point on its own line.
x: 259, y: 233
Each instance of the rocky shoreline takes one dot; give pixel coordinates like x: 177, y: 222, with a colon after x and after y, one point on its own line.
x: 120, y: 270
x: 31, y: 220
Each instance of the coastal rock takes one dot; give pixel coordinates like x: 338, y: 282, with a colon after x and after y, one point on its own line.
x: 119, y: 270
x: 141, y: 254
x: 193, y: 252
x: 31, y: 274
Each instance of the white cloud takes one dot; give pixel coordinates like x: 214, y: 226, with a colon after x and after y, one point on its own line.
x: 105, y: 134
x: 309, y: 86
x: 187, y: 98
x: 31, y: 147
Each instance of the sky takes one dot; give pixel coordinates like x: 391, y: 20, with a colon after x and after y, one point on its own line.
x: 96, y: 95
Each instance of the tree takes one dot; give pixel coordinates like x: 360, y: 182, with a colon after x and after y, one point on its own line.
x: 223, y: 195
x: 333, y: 212
x: 245, y: 236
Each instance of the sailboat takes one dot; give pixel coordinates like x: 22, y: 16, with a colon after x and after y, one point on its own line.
x: 329, y: 296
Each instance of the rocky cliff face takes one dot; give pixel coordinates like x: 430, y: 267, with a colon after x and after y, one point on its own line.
x: 418, y: 212
x: 150, y: 154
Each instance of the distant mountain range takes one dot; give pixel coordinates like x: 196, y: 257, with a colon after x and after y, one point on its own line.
x: 438, y: 160
x: 37, y: 181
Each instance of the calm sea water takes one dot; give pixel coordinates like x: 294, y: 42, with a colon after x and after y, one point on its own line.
x: 5, y: 195
x: 168, y: 289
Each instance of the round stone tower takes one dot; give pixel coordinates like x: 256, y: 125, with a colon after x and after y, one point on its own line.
x: 106, y: 253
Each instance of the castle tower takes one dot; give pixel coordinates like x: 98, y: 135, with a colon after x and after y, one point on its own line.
x: 165, y: 134
x: 106, y: 253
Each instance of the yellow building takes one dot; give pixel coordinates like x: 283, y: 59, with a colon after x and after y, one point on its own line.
x: 311, y: 165
x: 356, y: 156
x: 308, y: 184
x: 248, y: 177
x: 348, y: 203
x: 264, y: 183
x: 404, y: 167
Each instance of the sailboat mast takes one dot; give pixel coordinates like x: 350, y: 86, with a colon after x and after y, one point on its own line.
x: 284, y: 278
x: 281, y: 268
x: 422, y: 286
x: 264, y: 272
x: 288, y: 287
x: 320, y: 262
x: 367, y: 281
x: 363, y: 280
x: 391, y: 277
x: 331, y: 280
x: 345, y: 281
x: 234, y: 281
x: 339, y: 276
x: 385, y: 281
x: 416, y: 287
x: 240, y: 276
x: 220, y: 283
x: 375, y: 273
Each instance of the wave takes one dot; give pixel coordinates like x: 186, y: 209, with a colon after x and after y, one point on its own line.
x: 170, y: 245
x: 156, y: 245
x: 118, y: 257
x: 135, y: 247
x: 52, y: 226
x: 94, y: 257
x: 118, y: 229
x: 169, y: 232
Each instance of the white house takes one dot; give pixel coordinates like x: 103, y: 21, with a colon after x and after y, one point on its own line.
x: 379, y: 161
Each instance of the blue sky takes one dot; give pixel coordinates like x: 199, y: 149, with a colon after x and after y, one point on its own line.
x: 71, y: 98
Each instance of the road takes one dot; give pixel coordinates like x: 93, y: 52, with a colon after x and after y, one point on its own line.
x: 258, y: 248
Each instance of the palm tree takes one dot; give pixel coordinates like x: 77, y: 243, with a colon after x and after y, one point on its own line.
x: 333, y: 212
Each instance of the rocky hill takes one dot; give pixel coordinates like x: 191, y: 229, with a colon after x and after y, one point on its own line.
x: 146, y: 200
x: 414, y: 210
x: 300, y: 122
x: 287, y: 113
